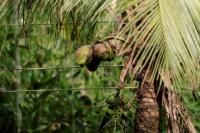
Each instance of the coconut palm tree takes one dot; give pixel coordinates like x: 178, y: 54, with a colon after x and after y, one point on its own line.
x: 159, y: 53
x: 161, y: 48
x: 160, y: 38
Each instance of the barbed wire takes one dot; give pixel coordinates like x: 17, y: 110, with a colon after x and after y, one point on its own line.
x: 70, y: 89
x: 48, y: 68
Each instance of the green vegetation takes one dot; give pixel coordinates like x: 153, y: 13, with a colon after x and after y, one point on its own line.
x: 135, y: 46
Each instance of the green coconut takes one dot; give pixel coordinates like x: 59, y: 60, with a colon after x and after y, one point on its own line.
x: 84, y: 55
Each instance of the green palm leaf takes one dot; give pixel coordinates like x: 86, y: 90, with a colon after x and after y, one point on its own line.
x: 80, y: 19
x: 167, y: 38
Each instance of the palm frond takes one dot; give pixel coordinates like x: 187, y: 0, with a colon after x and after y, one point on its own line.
x: 165, y: 38
x: 79, y: 18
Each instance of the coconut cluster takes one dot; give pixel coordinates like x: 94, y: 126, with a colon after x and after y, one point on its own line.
x: 92, y: 55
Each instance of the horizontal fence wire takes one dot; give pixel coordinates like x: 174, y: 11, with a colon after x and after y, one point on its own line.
x: 49, y: 68
x: 48, y: 24
x: 74, y: 89
x: 70, y: 89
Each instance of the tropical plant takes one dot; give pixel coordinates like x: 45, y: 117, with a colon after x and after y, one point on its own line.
x: 160, y: 49
x: 160, y: 38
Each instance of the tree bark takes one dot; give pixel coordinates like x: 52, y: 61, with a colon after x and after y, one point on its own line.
x: 147, y: 112
x: 179, y: 120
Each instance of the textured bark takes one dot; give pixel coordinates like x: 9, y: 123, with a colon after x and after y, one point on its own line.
x: 179, y: 120
x: 147, y: 115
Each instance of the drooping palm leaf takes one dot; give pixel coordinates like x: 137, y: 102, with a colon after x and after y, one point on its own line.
x: 166, y: 39
x: 79, y: 18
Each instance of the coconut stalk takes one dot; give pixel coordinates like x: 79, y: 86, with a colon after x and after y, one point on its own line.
x: 179, y: 120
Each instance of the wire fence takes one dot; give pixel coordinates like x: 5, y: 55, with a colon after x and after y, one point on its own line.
x: 75, y: 89
x: 61, y: 67
x: 70, y: 89
x: 49, y: 68
x: 55, y: 67
x: 47, y: 24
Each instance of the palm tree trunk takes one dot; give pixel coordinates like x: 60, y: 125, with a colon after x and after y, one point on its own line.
x: 147, y: 113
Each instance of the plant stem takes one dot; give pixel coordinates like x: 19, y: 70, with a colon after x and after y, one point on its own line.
x: 18, y: 82
x: 17, y: 67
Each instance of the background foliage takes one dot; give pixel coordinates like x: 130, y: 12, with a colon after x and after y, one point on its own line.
x: 75, y: 110
x: 53, y: 45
